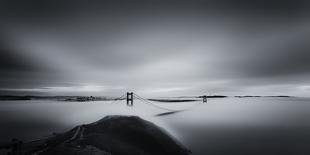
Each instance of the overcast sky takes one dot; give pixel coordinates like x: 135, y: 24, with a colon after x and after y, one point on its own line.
x: 155, y: 48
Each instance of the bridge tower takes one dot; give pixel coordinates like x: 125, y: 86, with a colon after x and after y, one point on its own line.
x: 129, y: 98
x: 204, y: 99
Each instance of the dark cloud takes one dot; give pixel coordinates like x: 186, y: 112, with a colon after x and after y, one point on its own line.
x: 169, y: 45
x: 46, y: 8
x: 11, y: 60
x: 288, y: 59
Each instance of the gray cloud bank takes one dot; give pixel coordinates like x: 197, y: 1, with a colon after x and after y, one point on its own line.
x: 155, y: 47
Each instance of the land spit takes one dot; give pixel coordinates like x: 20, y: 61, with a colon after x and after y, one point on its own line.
x: 112, y: 135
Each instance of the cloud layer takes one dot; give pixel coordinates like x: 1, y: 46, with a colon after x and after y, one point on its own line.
x: 155, y: 47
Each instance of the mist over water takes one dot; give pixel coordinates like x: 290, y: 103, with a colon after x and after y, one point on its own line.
x: 246, y: 126
x: 221, y: 126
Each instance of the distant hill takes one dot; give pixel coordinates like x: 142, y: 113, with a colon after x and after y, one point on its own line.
x: 59, y: 98
x: 246, y: 96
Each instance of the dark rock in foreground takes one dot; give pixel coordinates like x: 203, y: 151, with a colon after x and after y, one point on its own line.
x: 129, y: 135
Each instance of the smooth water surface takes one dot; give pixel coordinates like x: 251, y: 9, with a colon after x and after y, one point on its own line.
x: 221, y: 126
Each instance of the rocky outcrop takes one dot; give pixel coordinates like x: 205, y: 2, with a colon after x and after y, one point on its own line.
x: 116, y: 135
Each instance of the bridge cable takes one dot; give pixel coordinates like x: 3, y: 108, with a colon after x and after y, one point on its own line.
x: 160, y: 107
x: 157, y: 106
x: 119, y: 99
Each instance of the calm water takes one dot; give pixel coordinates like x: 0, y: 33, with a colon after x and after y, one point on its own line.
x: 221, y: 126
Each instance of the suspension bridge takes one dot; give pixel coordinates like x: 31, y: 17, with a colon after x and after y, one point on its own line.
x: 130, y: 97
